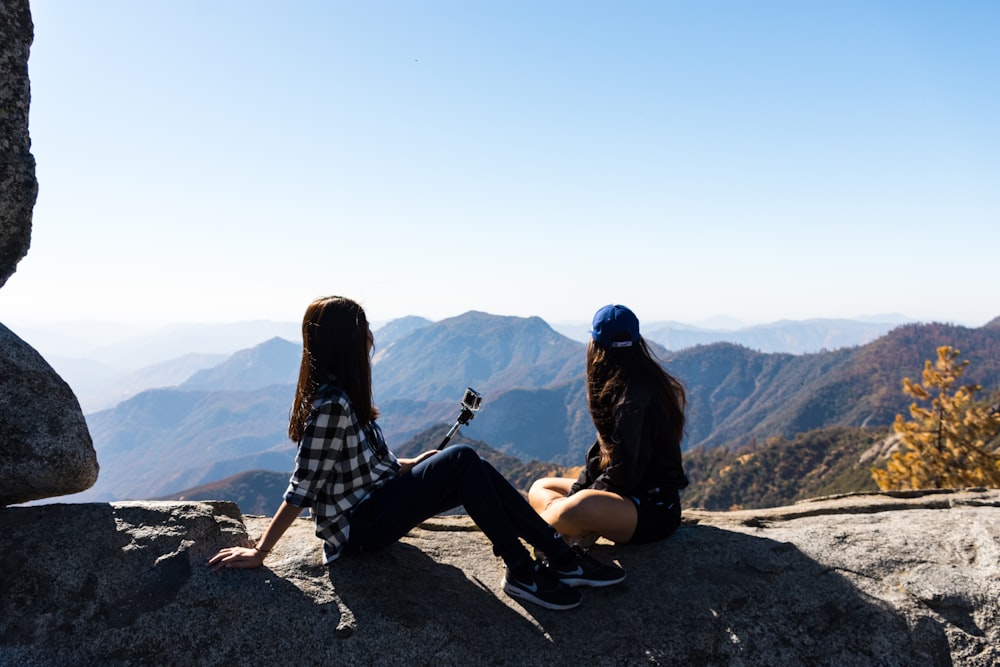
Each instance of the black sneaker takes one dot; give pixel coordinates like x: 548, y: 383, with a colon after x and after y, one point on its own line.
x: 585, y: 570
x: 542, y: 587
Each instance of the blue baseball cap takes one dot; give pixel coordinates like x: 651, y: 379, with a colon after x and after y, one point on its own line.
x: 615, y: 326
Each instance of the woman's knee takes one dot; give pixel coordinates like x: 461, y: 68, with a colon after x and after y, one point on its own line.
x: 564, y: 515
x: 460, y: 459
x: 537, y: 496
x: 568, y: 509
x: 541, y: 493
x: 446, y: 467
x: 559, y: 486
x: 465, y: 455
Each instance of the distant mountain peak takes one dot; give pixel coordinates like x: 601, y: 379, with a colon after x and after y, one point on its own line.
x: 275, y: 361
x: 399, y: 328
x: 276, y: 341
x: 490, y: 352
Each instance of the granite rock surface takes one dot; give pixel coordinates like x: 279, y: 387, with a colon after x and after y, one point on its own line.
x: 45, y: 446
x: 858, y: 580
x: 18, y: 186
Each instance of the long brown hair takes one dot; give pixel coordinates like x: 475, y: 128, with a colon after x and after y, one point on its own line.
x: 609, y: 372
x: 334, y: 345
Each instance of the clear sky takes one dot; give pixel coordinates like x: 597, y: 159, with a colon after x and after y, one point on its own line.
x: 230, y: 160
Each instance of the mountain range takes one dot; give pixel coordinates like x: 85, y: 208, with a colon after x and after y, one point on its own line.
x: 793, y: 336
x: 107, y: 363
x: 232, y: 417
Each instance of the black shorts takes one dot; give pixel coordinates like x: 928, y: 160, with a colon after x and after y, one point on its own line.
x: 659, y: 514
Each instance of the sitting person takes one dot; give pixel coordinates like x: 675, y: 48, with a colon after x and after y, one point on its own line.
x: 363, y: 498
x: 628, y: 489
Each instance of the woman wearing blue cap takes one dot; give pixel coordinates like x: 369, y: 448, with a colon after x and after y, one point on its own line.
x: 628, y: 489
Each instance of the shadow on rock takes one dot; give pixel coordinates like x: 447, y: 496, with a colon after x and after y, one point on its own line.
x: 712, y: 596
x: 100, y: 584
x: 438, y: 612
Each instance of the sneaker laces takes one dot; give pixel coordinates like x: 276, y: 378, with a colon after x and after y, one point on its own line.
x: 585, y: 558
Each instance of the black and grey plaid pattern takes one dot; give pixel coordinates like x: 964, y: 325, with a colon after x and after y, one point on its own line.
x: 337, y: 465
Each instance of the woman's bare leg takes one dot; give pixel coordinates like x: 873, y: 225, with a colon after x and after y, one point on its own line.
x: 547, y: 489
x: 586, y: 511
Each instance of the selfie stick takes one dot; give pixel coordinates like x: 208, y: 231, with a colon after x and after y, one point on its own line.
x: 470, y: 404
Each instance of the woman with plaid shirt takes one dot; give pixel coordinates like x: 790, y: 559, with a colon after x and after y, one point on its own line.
x: 363, y: 498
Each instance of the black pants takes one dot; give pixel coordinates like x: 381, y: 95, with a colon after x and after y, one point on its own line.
x: 455, y: 476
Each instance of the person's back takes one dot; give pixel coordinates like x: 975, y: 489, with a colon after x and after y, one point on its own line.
x: 629, y: 488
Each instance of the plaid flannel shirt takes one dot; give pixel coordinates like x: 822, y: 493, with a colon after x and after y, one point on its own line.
x: 338, y: 464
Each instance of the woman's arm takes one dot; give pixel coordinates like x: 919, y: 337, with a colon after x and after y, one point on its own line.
x: 406, y: 465
x: 246, y: 558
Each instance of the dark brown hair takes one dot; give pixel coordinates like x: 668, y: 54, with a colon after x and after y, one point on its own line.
x: 334, y: 346
x: 609, y: 372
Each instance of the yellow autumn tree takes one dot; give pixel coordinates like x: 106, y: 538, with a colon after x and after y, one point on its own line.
x: 946, y: 444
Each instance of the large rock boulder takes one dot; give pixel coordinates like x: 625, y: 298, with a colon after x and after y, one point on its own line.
x: 864, y: 580
x: 18, y: 187
x: 45, y: 446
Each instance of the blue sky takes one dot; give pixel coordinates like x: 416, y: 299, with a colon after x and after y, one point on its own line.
x: 226, y: 161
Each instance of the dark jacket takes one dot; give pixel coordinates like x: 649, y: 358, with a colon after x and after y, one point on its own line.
x: 645, y: 455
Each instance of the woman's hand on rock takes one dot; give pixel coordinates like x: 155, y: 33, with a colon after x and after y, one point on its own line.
x: 236, y: 557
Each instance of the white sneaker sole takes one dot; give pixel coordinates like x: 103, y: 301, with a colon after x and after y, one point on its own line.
x: 592, y: 583
x: 521, y: 594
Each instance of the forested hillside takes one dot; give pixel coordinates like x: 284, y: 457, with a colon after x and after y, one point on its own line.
x: 780, y: 471
x: 737, y: 394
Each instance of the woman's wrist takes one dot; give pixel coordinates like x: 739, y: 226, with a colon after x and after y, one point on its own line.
x: 262, y: 551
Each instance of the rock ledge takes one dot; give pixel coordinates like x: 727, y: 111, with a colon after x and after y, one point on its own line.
x: 857, y: 580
